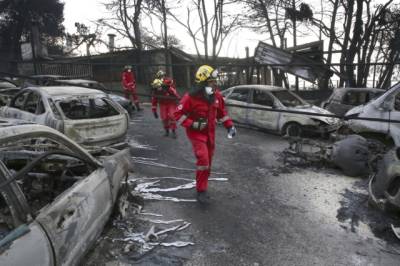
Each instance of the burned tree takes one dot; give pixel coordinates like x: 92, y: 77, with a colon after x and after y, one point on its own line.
x: 215, y: 25
x: 125, y: 20
x: 17, y: 17
x: 365, y: 35
x: 83, y: 36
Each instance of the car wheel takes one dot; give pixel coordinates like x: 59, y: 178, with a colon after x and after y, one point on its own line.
x: 292, y: 129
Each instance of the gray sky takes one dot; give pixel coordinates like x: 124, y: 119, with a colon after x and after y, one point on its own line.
x: 85, y: 11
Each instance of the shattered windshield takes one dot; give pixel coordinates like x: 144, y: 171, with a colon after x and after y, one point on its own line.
x: 289, y: 99
x: 87, y: 108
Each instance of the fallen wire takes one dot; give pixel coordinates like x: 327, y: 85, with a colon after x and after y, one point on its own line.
x: 170, y: 167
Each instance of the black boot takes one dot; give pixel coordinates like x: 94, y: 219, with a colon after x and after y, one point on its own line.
x: 138, y: 107
x: 203, y: 197
x: 166, y: 134
x: 173, y: 134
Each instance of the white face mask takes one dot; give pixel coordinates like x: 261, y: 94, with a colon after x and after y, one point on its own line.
x: 209, y: 90
x: 129, y: 70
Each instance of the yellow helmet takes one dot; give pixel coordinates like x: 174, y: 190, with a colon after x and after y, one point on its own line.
x: 156, y: 83
x: 206, y: 73
x: 160, y: 74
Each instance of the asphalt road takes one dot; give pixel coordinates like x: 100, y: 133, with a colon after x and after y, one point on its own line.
x: 265, y: 213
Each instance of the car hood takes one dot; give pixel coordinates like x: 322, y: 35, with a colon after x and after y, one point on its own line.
x: 117, y: 98
x: 316, y: 110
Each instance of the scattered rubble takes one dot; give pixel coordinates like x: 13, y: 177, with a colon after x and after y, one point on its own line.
x: 353, y: 154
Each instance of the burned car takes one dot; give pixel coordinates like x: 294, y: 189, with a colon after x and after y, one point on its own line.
x: 87, y: 116
x: 55, y: 198
x: 243, y: 101
x: 385, y: 108
x: 99, y: 86
x: 384, y: 185
x: 343, y: 99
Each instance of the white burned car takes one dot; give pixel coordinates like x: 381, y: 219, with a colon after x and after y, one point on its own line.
x: 385, y: 108
x: 87, y: 116
x: 242, y: 103
x: 55, y: 198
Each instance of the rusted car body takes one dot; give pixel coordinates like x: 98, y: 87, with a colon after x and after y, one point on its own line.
x: 87, y: 116
x: 250, y: 97
x: 98, y: 86
x: 386, y: 107
x: 343, y: 99
x: 55, y: 198
x: 384, y: 185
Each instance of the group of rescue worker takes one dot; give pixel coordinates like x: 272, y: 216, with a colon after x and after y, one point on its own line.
x: 197, y: 111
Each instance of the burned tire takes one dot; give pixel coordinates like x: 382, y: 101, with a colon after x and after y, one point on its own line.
x: 292, y: 129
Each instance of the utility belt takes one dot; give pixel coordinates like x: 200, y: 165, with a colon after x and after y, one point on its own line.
x: 200, y: 124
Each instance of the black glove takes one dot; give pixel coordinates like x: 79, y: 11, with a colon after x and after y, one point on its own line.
x: 155, y: 115
x: 199, y: 124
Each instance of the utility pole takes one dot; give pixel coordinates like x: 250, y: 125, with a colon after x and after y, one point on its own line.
x: 168, y: 66
x: 294, y: 36
x: 34, y: 38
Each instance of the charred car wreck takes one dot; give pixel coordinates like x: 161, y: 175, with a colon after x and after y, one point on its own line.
x: 55, y: 198
x: 87, y: 116
x: 352, y: 154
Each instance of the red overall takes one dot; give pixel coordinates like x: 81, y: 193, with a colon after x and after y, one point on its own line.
x: 166, y: 97
x: 129, y: 85
x: 192, y: 108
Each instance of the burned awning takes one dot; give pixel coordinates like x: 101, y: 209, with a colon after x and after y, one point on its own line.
x: 291, y: 61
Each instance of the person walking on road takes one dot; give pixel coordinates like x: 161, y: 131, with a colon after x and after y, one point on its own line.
x: 198, y: 112
x: 129, y: 85
x: 165, y: 96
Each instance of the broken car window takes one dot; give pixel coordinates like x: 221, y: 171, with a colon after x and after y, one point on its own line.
x: 240, y: 95
x: 289, y: 99
x: 262, y: 98
x: 20, y: 100
x: 34, y: 104
x: 43, y: 169
x: 87, y: 108
x: 356, y: 98
x: 397, y: 102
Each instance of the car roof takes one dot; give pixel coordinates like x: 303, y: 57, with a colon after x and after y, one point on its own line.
x: 359, y: 89
x: 47, y: 76
x: 77, y: 81
x: 67, y: 91
x: 260, y: 87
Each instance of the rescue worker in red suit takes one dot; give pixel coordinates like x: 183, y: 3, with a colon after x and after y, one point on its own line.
x: 198, y: 112
x: 164, y: 94
x: 129, y: 85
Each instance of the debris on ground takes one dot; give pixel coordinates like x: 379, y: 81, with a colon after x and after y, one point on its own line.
x: 353, y: 154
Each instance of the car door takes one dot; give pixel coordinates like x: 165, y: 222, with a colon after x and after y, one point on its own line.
x: 76, y: 218
x: 238, y: 97
x: 25, y: 243
x: 261, y: 118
